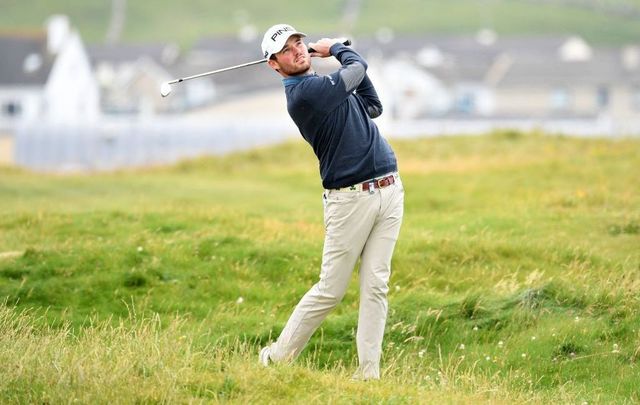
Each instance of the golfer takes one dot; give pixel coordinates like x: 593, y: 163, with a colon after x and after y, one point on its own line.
x: 363, y: 196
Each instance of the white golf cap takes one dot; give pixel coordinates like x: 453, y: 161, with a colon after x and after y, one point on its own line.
x: 276, y: 37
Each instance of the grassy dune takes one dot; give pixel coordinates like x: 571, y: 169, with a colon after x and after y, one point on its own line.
x: 189, y: 20
x: 516, y: 278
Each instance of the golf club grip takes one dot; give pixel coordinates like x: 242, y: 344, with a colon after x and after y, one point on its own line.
x: 346, y: 43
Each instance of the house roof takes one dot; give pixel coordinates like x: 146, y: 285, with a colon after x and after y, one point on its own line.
x: 462, y: 58
x: 225, y: 46
x: 546, y: 69
x: 220, y: 52
x: 25, y: 60
x: 526, y: 60
x: 163, y: 54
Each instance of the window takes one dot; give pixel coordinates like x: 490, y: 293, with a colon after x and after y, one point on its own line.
x: 560, y: 99
x: 12, y: 109
x: 466, y: 102
x: 635, y: 97
x: 602, y: 97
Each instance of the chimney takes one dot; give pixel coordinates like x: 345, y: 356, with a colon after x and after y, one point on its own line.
x: 575, y: 49
x: 58, y: 30
x: 631, y: 57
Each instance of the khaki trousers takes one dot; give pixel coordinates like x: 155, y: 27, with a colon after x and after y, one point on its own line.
x: 358, y: 224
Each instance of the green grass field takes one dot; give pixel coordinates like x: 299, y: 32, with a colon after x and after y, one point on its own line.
x: 516, y: 279
x: 189, y: 20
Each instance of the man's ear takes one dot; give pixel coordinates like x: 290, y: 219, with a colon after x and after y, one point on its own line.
x: 274, y: 65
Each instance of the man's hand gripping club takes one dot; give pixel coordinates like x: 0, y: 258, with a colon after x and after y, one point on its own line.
x: 321, y: 49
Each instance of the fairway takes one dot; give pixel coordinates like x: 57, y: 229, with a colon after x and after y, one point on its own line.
x: 516, y: 278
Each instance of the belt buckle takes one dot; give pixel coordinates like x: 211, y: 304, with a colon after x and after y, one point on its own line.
x: 381, y: 182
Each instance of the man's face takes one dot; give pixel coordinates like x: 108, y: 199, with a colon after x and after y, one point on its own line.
x: 293, y: 59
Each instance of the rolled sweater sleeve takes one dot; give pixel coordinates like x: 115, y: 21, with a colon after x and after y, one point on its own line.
x: 354, y: 75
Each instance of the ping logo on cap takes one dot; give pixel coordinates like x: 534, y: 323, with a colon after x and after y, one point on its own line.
x: 276, y: 36
x: 282, y: 30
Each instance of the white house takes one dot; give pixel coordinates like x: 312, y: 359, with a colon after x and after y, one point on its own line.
x: 130, y: 75
x: 24, y: 69
x: 46, y: 77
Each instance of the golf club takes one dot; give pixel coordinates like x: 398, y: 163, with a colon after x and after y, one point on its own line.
x: 165, y: 88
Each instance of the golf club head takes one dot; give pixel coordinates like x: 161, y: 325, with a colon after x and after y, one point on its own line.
x: 165, y: 89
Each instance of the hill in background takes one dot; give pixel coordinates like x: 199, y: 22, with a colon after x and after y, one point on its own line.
x: 611, y: 22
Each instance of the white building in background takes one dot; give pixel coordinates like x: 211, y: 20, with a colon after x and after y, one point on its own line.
x: 71, y: 92
x: 130, y: 74
x: 46, y: 77
x: 460, y: 84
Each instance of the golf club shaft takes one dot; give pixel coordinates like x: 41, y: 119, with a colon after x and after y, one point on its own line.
x: 255, y: 62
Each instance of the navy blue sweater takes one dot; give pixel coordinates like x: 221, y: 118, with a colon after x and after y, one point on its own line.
x: 334, y: 115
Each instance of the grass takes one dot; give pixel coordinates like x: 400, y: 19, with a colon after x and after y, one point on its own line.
x: 190, y: 20
x: 515, y: 278
x: 147, y: 361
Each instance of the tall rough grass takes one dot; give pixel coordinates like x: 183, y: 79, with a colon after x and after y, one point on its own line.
x: 101, y: 363
x: 148, y: 360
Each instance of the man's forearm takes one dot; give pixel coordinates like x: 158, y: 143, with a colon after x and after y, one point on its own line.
x: 353, y: 66
x: 367, y: 93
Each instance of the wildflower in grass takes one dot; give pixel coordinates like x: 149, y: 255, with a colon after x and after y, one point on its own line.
x: 533, y: 338
x: 524, y: 355
x: 397, y: 288
x: 461, y: 347
x: 577, y: 319
x: 140, y: 248
x: 616, y: 348
x: 240, y: 300
x: 488, y: 358
x: 500, y: 344
x: 421, y: 354
x: 475, y: 328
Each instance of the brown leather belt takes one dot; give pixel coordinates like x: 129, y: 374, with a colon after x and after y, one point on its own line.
x: 378, y: 183
x: 372, y: 184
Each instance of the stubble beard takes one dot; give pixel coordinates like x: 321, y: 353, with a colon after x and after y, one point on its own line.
x: 296, y: 70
